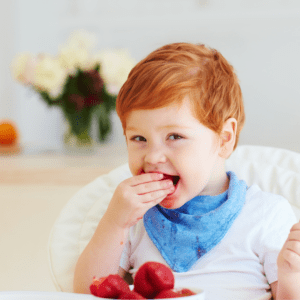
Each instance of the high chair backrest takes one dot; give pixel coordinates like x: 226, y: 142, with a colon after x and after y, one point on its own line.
x: 274, y: 170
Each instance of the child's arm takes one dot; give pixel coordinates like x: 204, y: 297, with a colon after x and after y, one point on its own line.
x: 132, y: 198
x: 288, y: 262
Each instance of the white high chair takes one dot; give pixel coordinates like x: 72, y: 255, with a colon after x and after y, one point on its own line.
x: 274, y: 170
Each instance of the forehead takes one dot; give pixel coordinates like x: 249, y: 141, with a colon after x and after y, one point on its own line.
x: 180, y: 115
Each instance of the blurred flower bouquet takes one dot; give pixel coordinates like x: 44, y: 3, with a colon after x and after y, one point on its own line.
x: 82, y: 83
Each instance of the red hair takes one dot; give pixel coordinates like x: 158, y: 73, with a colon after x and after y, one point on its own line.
x: 172, y: 72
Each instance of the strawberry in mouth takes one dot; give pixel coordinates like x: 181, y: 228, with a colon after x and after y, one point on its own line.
x: 170, y: 199
x: 174, y: 178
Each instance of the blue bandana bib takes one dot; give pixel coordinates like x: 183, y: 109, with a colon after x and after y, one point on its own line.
x: 185, y: 234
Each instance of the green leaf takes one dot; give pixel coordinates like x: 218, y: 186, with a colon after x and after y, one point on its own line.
x: 104, y: 122
x: 71, y: 85
x: 97, y: 67
x: 109, y: 100
x: 46, y: 97
x: 79, y: 121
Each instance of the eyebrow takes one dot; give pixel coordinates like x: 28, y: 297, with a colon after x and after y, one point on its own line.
x: 161, y: 127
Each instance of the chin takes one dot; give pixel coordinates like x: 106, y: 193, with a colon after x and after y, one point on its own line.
x: 169, y: 204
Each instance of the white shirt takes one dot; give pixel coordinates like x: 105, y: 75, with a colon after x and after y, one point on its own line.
x: 243, y: 264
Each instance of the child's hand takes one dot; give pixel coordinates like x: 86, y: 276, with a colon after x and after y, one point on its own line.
x: 135, y: 195
x: 289, y: 257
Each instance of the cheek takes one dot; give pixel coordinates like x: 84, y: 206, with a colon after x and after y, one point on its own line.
x: 134, y: 163
x: 195, y: 167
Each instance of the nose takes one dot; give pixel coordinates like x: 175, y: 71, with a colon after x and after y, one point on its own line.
x: 155, y: 155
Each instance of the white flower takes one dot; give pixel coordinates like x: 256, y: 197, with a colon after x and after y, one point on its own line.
x: 72, y: 58
x: 22, y: 68
x: 49, y: 75
x: 76, y: 52
x: 115, y: 67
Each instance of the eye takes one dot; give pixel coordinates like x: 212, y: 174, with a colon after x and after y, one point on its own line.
x: 176, y: 136
x: 137, y: 137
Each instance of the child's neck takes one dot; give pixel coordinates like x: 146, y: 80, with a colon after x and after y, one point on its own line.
x: 218, y: 183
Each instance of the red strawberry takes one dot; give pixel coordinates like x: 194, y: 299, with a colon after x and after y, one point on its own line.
x: 174, y: 293
x: 185, y: 292
x: 95, y: 285
x: 111, y: 287
x: 153, y: 277
x: 131, y: 295
x: 167, y: 294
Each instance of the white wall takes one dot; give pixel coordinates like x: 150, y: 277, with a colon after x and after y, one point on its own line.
x: 7, y: 34
x: 261, y: 38
x: 37, y: 30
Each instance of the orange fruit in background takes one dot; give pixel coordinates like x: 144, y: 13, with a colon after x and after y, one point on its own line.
x: 8, y: 133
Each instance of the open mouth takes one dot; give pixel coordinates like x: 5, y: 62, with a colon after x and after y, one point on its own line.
x: 174, y: 178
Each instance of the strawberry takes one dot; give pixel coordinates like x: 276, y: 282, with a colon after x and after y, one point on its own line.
x: 111, y: 287
x: 167, y: 294
x: 174, y: 293
x: 185, y: 292
x: 153, y: 277
x: 131, y: 295
x: 95, y: 285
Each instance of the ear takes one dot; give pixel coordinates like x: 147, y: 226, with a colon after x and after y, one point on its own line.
x: 227, y: 138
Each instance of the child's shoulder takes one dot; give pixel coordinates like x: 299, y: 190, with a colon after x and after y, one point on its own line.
x: 267, y: 202
x: 255, y: 192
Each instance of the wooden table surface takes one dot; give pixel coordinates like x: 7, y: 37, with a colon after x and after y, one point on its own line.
x: 57, y: 168
x: 34, y: 188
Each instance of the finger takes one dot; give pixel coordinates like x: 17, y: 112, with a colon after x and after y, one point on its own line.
x: 150, y: 204
x: 149, y: 187
x: 143, y: 178
x: 292, y: 258
x: 156, y: 195
x: 294, y: 235
x: 296, y: 227
x: 293, y: 246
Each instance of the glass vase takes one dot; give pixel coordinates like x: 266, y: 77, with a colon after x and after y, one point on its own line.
x: 78, y: 145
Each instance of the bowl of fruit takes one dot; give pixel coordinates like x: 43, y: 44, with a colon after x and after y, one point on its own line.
x: 153, y: 280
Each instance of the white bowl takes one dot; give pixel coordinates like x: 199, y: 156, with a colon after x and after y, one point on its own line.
x: 200, y: 295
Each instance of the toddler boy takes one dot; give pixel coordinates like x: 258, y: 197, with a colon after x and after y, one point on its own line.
x: 182, y: 111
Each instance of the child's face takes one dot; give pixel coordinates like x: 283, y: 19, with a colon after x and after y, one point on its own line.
x: 172, y: 141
